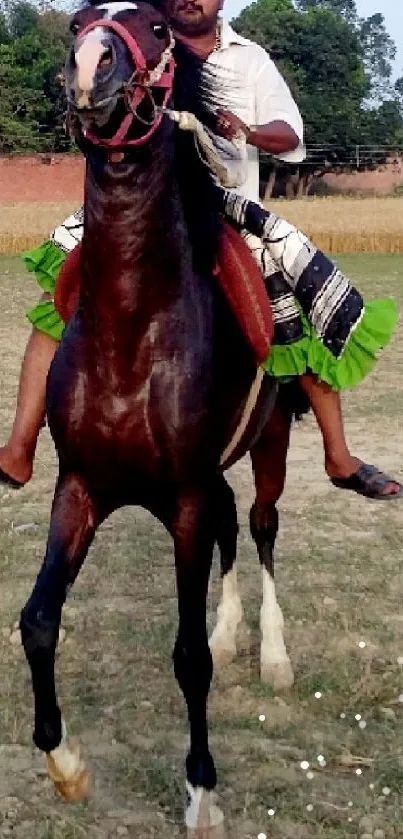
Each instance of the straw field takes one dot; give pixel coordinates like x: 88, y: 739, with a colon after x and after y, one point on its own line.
x: 348, y: 225
x: 23, y: 226
x: 336, y: 225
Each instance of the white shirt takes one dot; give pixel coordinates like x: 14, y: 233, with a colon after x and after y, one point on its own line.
x: 255, y: 92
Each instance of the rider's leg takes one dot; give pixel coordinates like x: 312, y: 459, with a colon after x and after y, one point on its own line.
x: 17, y: 456
x: 326, y: 404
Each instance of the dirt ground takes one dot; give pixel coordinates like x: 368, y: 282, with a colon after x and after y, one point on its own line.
x: 339, y: 582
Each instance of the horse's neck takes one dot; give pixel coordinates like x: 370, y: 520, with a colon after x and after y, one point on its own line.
x: 135, y: 240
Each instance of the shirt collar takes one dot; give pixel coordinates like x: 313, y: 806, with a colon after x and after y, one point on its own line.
x: 229, y: 36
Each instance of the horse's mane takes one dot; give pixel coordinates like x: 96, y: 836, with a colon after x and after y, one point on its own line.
x: 195, y: 91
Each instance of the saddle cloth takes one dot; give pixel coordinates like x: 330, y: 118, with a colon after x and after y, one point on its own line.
x: 237, y: 273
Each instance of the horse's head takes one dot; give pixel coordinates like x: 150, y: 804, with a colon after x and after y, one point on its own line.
x: 119, y: 73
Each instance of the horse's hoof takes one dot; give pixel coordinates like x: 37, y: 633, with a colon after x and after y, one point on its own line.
x: 204, y: 820
x: 278, y: 674
x: 217, y: 832
x: 223, y: 652
x: 68, y: 771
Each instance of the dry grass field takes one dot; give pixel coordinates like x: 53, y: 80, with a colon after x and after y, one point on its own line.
x: 337, y: 225
x: 340, y: 583
x: 348, y: 225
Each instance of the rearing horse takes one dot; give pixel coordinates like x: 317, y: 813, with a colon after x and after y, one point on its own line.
x: 153, y: 371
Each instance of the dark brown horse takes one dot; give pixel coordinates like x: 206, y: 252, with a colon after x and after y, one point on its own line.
x: 151, y: 376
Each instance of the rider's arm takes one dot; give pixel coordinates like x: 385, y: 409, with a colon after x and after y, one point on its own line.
x: 278, y: 128
x: 275, y: 137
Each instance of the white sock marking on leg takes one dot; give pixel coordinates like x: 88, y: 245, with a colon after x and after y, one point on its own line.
x: 201, y: 811
x: 229, y: 612
x: 272, y: 624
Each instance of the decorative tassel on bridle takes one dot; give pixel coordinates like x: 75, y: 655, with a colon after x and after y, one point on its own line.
x: 206, y: 147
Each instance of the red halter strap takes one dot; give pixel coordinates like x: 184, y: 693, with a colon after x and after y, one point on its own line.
x: 135, y: 91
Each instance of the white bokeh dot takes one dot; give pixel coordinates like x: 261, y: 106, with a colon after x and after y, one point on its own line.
x: 309, y: 807
x: 358, y: 717
x: 262, y: 836
x: 342, y: 716
x: 304, y: 765
x: 318, y: 695
x: 362, y: 724
x: 386, y: 791
x: 362, y: 645
x: 310, y: 776
x: 262, y: 717
x: 358, y: 771
x: 271, y: 812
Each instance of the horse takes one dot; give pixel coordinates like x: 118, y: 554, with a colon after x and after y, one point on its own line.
x: 151, y: 377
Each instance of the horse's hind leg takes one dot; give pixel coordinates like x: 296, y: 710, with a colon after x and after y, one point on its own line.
x: 73, y: 523
x: 229, y: 613
x: 269, y: 458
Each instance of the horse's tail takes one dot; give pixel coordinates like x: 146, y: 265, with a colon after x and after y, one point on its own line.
x: 293, y: 401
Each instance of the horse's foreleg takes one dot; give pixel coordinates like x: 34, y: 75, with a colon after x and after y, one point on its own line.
x: 73, y: 522
x: 229, y: 613
x: 194, y: 536
x: 269, y: 458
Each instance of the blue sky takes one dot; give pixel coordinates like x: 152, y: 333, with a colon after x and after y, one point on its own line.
x: 392, y: 11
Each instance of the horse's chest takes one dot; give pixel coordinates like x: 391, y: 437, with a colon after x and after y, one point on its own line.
x: 150, y: 420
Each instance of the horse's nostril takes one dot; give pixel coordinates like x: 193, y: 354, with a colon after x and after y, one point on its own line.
x: 106, y: 58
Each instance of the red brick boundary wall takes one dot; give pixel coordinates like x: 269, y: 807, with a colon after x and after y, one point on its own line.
x: 42, y: 178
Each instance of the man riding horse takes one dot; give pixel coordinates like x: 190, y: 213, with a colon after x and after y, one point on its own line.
x: 327, y: 343
x: 153, y: 371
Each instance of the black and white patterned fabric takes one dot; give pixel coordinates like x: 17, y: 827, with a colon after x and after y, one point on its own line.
x: 70, y: 233
x: 298, y: 276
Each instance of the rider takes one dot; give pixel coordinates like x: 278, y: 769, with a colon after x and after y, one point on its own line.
x: 265, y: 102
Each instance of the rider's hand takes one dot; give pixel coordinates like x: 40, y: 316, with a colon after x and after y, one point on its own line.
x: 230, y: 126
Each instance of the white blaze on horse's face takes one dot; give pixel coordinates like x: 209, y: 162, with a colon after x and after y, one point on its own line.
x: 93, y: 48
x: 88, y: 55
x: 113, y: 9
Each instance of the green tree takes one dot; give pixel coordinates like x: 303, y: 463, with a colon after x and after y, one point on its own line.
x: 399, y: 90
x: 4, y: 33
x: 21, y: 106
x: 343, y: 8
x: 23, y: 18
x: 379, y: 52
x: 39, y: 42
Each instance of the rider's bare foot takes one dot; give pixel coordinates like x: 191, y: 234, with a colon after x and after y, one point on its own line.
x: 15, y: 465
x: 352, y: 473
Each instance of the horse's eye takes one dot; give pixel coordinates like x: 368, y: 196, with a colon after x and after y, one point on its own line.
x: 75, y: 28
x: 160, y: 30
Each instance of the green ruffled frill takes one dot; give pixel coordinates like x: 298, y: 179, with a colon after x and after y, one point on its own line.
x: 370, y: 336
x: 46, y: 261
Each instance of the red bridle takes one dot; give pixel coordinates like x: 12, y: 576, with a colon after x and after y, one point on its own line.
x: 140, y: 85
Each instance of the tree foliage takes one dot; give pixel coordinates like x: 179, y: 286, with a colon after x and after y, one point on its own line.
x: 33, y: 48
